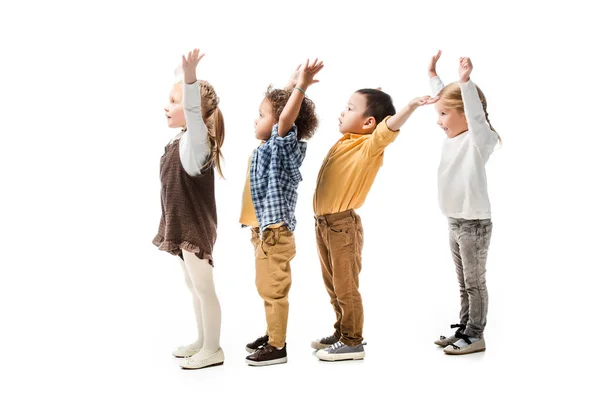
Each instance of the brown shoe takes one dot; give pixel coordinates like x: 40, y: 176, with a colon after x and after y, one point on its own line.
x: 267, y: 355
x: 261, y: 341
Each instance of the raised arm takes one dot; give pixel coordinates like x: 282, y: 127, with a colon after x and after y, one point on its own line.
x: 474, y: 113
x: 290, y: 112
x: 396, y: 121
x: 435, y: 83
x: 193, y: 146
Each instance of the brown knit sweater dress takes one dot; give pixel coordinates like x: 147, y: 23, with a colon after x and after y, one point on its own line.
x: 189, y: 212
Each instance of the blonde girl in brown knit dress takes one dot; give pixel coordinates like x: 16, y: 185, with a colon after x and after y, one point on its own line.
x: 188, y: 224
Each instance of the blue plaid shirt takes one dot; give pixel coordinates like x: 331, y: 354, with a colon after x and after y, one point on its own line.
x: 274, y: 178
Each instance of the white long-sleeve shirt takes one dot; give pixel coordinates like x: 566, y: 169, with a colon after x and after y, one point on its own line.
x: 462, y: 180
x: 193, y: 145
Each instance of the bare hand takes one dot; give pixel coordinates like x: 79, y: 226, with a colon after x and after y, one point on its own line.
x: 307, y: 73
x: 465, y: 68
x: 189, y: 65
x: 422, y: 101
x: 432, y: 64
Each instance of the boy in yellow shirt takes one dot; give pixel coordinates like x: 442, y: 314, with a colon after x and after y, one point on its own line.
x: 369, y: 124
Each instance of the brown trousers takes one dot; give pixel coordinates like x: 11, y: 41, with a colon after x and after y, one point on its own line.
x: 340, y: 243
x: 273, y: 253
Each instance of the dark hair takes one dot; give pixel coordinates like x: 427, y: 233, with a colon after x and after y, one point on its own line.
x: 379, y: 104
x: 307, y: 120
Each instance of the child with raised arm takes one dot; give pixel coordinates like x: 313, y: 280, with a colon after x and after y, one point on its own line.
x: 369, y: 123
x: 463, y: 197
x: 188, y: 224
x: 286, y: 120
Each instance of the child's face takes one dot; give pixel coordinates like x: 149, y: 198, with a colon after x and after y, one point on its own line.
x: 265, y: 121
x: 174, y: 110
x: 450, y: 120
x: 352, y: 119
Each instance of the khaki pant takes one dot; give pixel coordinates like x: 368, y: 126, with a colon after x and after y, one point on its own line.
x: 340, y: 243
x: 274, y: 277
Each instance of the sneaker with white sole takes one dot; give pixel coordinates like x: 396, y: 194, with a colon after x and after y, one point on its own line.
x: 465, y: 345
x: 186, y: 351
x: 444, y: 341
x: 267, y: 355
x: 258, y: 343
x: 341, y: 352
x: 203, y: 359
x: 324, y: 343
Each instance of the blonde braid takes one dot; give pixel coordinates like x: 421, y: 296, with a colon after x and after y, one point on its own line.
x: 214, y: 124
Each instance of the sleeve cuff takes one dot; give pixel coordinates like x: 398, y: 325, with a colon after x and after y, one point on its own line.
x: 291, y: 135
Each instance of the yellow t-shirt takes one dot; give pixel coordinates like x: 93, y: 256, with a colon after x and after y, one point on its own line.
x: 349, y: 170
x: 248, y: 216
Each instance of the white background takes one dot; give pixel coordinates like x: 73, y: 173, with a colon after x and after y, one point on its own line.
x: 90, y: 309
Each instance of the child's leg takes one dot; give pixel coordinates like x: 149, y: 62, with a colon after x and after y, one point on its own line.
x: 321, y: 232
x: 274, y: 279
x: 197, y: 307
x: 201, y: 275
x: 455, y: 249
x: 345, y: 238
x: 473, y: 240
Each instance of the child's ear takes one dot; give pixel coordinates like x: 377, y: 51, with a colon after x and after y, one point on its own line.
x: 370, y: 123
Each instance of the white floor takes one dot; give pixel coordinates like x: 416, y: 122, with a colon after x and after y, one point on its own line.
x: 109, y: 335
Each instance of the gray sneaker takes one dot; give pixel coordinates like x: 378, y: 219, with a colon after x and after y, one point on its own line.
x: 324, y: 342
x: 340, y: 352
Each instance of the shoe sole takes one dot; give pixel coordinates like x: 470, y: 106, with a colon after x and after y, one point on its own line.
x: 345, y: 357
x: 250, y: 350
x: 206, y: 366
x: 265, y: 363
x: 466, y: 352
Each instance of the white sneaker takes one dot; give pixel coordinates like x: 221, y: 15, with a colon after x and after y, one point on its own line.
x: 186, y: 351
x: 203, y: 359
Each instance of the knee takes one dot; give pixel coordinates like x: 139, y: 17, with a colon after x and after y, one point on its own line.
x: 204, y: 288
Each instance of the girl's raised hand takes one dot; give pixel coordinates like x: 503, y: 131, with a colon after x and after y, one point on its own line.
x: 422, y: 101
x: 464, y: 69
x: 189, y: 64
x: 307, y: 73
x: 432, y: 64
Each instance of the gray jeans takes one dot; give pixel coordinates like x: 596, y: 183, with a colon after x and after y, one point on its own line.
x: 469, y: 242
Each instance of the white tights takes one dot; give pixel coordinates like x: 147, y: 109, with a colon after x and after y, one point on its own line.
x: 199, y: 280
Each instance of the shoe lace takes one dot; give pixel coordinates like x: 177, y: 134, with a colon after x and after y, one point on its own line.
x: 462, y: 336
x: 336, y: 345
x: 460, y: 329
